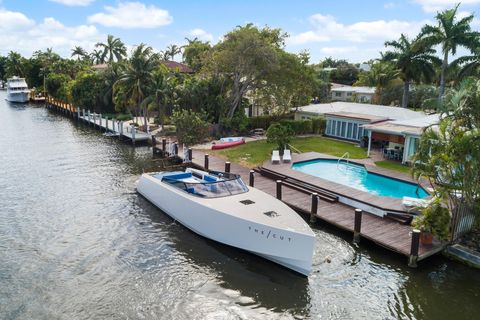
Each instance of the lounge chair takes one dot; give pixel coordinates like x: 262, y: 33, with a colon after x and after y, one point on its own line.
x: 412, y: 203
x: 275, y: 156
x: 287, y: 156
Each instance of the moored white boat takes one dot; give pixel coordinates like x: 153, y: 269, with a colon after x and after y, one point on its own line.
x: 17, y: 90
x: 219, y: 206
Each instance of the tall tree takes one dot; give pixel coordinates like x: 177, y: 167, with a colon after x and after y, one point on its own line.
x: 137, y: 77
x: 114, y: 49
x: 172, y: 50
x: 450, y: 33
x: 15, y: 64
x: 79, y: 52
x: 382, y: 74
x: 194, y: 52
x: 413, y: 60
x: 97, y: 56
x: 248, y: 55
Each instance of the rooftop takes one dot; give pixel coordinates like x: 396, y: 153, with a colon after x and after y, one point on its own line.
x: 177, y: 66
x: 387, y: 112
x: 369, y: 90
x: 400, y: 127
x: 351, y: 115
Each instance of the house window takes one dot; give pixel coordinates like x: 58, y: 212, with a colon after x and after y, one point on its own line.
x: 349, y: 130
x: 344, y: 125
x: 338, y: 94
x: 355, y: 131
x: 349, y: 94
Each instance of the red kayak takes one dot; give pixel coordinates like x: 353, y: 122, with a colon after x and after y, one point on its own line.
x: 229, y: 144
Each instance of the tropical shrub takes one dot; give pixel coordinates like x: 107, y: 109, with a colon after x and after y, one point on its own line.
x: 279, y: 134
x: 318, y: 125
x: 265, y: 121
x: 299, y: 126
x: 435, y: 219
x: 191, y: 126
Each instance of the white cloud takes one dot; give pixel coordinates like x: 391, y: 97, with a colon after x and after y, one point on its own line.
x: 326, y: 28
x: 433, y: 6
x: 74, y: 2
x: 130, y: 15
x: 24, y: 35
x: 389, y: 5
x: 338, y: 50
x: 201, y: 34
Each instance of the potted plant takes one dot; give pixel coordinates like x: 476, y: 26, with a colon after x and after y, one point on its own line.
x: 434, y: 220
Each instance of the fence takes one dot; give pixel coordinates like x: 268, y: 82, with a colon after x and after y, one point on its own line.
x: 463, y: 221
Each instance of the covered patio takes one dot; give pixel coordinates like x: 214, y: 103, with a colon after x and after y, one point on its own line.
x: 395, y: 141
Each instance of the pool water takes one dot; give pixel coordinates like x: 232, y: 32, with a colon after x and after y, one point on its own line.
x: 356, y: 176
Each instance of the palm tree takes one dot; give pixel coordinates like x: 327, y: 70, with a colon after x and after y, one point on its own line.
x: 113, y: 49
x: 172, y: 50
x: 413, y: 60
x: 97, y: 56
x: 450, y: 34
x: 380, y: 76
x: 14, y: 64
x: 137, y: 77
x: 79, y: 52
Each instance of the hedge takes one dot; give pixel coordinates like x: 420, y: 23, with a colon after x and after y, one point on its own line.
x: 265, y: 121
x: 314, y: 125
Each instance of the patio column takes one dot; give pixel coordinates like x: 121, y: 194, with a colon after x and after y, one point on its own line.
x: 369, y: 142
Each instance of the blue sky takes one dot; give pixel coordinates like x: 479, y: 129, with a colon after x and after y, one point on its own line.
x: 354, y: 30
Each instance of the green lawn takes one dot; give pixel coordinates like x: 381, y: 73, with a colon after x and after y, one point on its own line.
x: 392, y: 165
x: 255, y: 153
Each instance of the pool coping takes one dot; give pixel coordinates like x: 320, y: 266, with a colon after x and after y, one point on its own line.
x: 378, y: 205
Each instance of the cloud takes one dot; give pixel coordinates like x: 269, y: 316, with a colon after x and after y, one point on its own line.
x: 201, y: 34
x: 131, y: 15
x: 389, y: 5
x: 22, y: 34
x: 433, y: 6
x: 326, y: 28
x: 73, y: 3
x: 338, y: 50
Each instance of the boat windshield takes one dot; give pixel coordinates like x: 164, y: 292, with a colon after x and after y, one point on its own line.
x: 226, y: 185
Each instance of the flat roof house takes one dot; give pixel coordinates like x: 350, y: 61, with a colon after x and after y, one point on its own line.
x: 352, y: 94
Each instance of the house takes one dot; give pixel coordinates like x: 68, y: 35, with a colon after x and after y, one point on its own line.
x: 346, y: 120
x: 351, y: 94
x: 401, y: 135
x: 100, y: 67
x: 177, y: 66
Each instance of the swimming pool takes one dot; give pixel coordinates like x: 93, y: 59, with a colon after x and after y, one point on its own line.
x: 356, y: 176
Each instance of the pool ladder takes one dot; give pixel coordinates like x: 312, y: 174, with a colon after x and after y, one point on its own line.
x: 345, y: 157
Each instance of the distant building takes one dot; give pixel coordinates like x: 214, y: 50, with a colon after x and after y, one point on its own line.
x: 177, y: 66
x: 352, y: 94
x: 100, y: 67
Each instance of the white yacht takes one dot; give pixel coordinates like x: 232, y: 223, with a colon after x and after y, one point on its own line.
x: 219, y: 206
x: 17, y: 90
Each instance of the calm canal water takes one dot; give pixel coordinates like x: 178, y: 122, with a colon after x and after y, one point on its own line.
x: 77, y: 242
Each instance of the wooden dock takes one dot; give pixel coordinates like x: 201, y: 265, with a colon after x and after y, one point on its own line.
x: 112, y: 127
x: 390, y: 234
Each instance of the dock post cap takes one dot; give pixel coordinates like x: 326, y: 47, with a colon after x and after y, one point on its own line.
x: 416, y: 231
x: 358, y: 210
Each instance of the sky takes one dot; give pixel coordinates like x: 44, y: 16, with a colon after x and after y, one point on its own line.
x: 353, y: 30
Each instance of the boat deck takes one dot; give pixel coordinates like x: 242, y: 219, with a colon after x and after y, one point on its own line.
x: 390, y: 234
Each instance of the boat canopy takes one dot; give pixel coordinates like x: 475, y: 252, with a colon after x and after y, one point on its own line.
x: 214, y: 185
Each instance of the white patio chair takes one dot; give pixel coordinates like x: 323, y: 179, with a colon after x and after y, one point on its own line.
x: 275, y: 156
x: 287, y: 156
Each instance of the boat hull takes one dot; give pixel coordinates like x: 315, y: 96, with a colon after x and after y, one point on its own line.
x: 284, y: 246
x: 20, y: 97
x: 224, y: 145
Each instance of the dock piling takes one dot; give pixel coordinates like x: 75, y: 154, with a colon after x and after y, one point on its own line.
x: 279, y: 189
x: 164, y: 145
x: 357, y: 225
x: 227, y: 166
x: 313, y: 210
x: 413, y: 258
x: 205, y: 164
x: 190, y: 154
x: 133, y: 134
x: 251, y: 179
